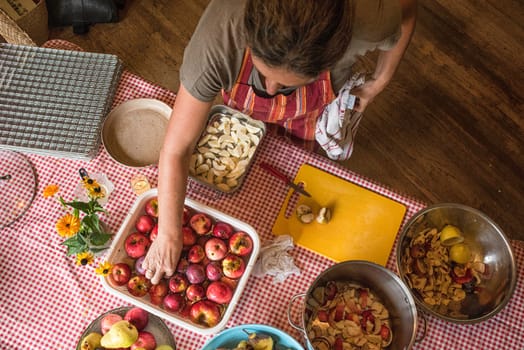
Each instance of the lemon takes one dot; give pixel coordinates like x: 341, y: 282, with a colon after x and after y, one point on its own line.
x: 460, y: 253
x: 450, y: 235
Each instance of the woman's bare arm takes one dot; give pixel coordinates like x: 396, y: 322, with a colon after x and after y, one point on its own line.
x: 185, y: 126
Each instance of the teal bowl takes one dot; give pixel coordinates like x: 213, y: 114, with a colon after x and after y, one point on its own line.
x: 229, y: 338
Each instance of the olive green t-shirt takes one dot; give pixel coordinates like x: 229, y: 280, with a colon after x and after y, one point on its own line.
x: 213, y: 56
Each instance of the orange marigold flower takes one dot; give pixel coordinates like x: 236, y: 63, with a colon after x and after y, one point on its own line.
x: 104, y: 268
x: 84, y: 258
x: 68, y: 225
x: 50, y: 190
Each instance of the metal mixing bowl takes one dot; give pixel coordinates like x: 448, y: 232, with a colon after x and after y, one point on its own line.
x: 485, y: 240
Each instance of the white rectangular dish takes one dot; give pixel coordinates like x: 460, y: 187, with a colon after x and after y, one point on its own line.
x: 117, y: 253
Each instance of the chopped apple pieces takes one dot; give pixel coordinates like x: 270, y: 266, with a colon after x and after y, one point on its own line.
x: 345, y: 315
x: 224, y: 151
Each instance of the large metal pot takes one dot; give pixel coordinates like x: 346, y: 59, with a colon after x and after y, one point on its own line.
x: 385, y: 284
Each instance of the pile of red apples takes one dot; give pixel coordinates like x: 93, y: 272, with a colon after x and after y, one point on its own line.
x: 213, y: 259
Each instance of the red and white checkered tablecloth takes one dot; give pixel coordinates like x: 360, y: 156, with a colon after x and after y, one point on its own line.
x: 46, y: 301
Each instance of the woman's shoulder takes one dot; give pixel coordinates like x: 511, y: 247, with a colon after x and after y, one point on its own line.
x: 221, y: 16
x: 214, y: 54
x: 220, y: 10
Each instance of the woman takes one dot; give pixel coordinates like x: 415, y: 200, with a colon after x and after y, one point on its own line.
x: 278, y: 61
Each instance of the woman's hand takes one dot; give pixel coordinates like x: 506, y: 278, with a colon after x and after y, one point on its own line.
x: 365, y: 94
x: 162, y: 257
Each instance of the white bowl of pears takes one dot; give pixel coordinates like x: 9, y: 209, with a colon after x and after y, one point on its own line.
x: 127, y: 328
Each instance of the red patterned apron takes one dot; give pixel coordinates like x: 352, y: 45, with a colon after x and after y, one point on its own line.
x: 297, y: 112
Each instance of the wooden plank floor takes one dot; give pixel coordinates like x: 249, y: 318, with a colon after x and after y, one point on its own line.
x: 449, y: 128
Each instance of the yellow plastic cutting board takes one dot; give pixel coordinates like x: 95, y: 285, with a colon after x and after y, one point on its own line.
x: 363, y: 226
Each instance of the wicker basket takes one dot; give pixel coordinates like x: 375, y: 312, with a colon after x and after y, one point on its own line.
x: 31, y: 29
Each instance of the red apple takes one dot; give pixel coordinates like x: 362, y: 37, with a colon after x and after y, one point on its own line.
x: 119, y: 275
x: 195, y: 273
x: 214, y: 271
x: 240, y: 243
x: 154, y: 233
x: 222, y: 230
x: 195, y: 292
x: 157, y: 292
x: 145, y: 341
x: 174, y: 302
x: 185, y: 311
x: 219, y: 292
x: 138, y: 265
x: 137, y: 317
x: 186, y: 215
x: 144, y: 223
x: 233, y: 266
x: 136, y: 245
x: 189, y: 237
x: 178, y: 283
x: 205, y: 312
x: 151, y: 207
x: 195, y: 254
x: 138, y: 285
x: 233, y: 283
x: 109, y: 320
x: 182, y: 265
x: 201, y: 241
x: 200, y: 223
x: 216, y: 249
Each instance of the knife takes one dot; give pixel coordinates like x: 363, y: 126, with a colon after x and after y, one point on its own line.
x: 279, y: 175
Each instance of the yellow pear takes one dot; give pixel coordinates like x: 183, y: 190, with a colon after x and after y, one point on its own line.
x: 164, y: 347
x: 261, y: 341
x: 122, y: 334
x: 91, y: 341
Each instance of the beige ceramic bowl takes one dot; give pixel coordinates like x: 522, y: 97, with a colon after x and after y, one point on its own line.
x: 133, y: 132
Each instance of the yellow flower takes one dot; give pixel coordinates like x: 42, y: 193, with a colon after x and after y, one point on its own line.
x: 93, y: 188
x: 67, y: 225
x: 84, y: 258
x: 104, y: 268
x: 50, y: 190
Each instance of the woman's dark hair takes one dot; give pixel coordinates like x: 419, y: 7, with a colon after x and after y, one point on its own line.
x: 304, y: 36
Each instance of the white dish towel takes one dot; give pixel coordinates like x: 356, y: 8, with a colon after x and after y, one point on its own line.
x: 337, y: 126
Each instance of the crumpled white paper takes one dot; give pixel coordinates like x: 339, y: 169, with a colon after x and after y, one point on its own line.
x: 274, y: 260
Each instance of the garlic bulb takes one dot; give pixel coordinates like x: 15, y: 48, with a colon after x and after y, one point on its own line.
x: 324, y: 216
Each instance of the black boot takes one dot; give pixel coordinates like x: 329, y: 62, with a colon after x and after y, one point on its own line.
x: 82, y: 13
